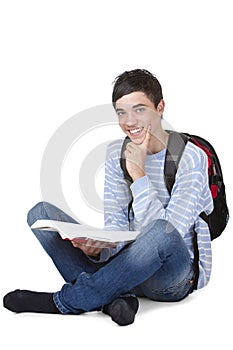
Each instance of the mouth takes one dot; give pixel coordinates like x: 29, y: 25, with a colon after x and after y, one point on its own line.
x: 135, y: 132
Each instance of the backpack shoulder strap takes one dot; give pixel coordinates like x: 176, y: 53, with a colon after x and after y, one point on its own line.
x: 123, y: 160
x: 127, y: 177
x: 176, y: 144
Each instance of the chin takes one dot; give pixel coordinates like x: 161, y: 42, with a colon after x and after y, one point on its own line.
x: 136, y: 140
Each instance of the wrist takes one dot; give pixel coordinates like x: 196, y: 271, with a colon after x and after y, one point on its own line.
x: 138, y: 175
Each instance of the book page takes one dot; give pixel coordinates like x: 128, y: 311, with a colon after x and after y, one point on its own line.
x: 70, y: 231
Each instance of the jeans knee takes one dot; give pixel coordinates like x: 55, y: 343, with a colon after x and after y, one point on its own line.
x: 35, y: 213
x: 165, y: 237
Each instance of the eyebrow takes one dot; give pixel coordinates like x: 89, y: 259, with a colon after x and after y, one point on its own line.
x: 119, y: 109
x: 139, y: 105
x: 135, y: 106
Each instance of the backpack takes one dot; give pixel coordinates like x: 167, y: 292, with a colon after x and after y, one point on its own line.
x: 217, y: 220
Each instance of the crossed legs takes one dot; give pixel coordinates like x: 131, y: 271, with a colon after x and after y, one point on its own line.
x: 156, y: 265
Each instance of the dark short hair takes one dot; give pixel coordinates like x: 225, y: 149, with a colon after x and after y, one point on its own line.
x: 137, y: 80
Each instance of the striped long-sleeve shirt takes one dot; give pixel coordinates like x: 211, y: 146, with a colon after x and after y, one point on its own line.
x: 151, y: 201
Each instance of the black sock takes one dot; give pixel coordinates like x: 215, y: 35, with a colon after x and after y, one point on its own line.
x: 28, y: 301
x: 122, y: 310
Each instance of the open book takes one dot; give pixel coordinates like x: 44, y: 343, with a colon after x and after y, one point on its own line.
x: 71, y: 231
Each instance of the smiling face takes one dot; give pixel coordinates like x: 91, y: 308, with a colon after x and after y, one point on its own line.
x: 135, y: 113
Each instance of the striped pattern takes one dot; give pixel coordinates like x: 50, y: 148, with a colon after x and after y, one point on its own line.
x: 190, y: 196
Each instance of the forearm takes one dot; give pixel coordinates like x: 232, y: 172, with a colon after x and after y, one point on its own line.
x: 181, y: 209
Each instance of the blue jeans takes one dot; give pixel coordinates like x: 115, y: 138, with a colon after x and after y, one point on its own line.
x: 156, y: 265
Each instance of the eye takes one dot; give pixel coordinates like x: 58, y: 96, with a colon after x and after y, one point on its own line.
x: 140, y: 109
x: 121, y: 113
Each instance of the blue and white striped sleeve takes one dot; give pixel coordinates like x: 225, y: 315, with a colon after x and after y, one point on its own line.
x: 116, y: 198
x: 116, y: 192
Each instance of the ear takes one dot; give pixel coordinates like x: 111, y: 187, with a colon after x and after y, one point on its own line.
x: 161, y: 106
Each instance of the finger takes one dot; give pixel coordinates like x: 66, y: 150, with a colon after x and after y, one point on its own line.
x: 99, y: 244
x: 80, y: 240
x: 147, y: 138
x: 131, y: 147
x: 78, y: 245
x: 91, y: 250
x: 92, y: 243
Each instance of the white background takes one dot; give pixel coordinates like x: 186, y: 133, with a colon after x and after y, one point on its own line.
x: 61, y: 57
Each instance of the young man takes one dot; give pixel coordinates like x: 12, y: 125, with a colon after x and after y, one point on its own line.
x: 159, y: 264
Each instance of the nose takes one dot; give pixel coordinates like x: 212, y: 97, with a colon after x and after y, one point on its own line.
x: 130, y: 119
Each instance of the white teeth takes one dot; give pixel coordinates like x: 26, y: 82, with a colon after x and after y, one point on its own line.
x: 134, y: 131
